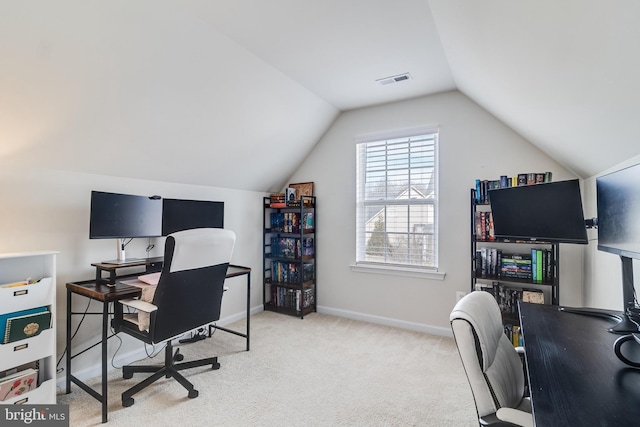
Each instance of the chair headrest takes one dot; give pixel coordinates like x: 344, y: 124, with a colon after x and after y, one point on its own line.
x: 481, y: 310
x: 200, y: 247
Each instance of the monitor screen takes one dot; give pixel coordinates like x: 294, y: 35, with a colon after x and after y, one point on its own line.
x: 178, y: 215
x: 549, y: 212
x: 618, y: 204
x: 121, y: 216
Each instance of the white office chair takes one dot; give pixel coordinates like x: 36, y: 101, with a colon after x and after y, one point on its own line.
x: 492, y: 365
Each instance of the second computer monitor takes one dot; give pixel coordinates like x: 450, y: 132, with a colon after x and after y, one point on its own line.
x: 179, y: 214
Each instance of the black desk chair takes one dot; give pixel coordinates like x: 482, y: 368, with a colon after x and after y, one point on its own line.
x: 188, y: 296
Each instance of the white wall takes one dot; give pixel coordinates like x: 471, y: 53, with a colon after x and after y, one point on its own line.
x: 603, y: 271
x: 473, y: 144
x: 46, y: 209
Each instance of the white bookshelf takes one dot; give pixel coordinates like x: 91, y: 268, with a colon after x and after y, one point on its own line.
x: 15, y: 267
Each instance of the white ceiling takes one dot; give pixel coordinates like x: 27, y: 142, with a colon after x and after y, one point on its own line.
x: 202, y: 91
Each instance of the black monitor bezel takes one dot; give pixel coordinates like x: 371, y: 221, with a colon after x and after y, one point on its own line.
x: 98, y: 224
x: 523, y: 200
x: 190, y: 207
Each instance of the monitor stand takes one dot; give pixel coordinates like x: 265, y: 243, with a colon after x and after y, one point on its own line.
x: 624, y: 325
x: 122, y: 259
x: 628, y: 321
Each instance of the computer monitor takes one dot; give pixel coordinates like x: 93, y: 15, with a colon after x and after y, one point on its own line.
x: 179, y: 214
x: 618, y: 204
x: 548, y: 212
x: 124, y: 216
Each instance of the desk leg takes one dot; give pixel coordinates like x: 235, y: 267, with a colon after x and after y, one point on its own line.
x: 68, y: 362
x: 105, y: 324
x: 248, y: 306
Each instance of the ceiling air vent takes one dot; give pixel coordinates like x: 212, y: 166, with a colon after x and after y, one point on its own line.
x: 394, y: 79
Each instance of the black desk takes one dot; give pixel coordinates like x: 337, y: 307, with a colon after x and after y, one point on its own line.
x: 99, y: 291
x: 575, y: 378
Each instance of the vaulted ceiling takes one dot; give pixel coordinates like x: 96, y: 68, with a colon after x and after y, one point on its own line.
x: 235, y: 93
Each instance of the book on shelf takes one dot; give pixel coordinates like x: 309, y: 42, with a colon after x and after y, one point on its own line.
x: 516, y: 266
x: 291, y: 222
x: 483, y: 186
x: 522, y: 179
x: 513, y: 333
x: 506, y: 297
x: 18, y: 383
x: 291, y: 247
x: 296, y: 299
x: 278, y: 200
x: 291, y: 272
x: 536, y: 266
x: 4, y: 317
x: 25, y: 326
x: 484, y: 229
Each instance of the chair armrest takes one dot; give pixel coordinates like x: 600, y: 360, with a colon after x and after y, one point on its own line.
x: 515, y: 416
x: 140, y: 305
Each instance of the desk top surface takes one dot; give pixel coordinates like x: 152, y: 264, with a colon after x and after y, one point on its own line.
x: 102, y: 292
x: 575, y: 377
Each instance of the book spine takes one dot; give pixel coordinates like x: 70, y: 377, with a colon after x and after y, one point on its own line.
x: 534, y: 265
x: 539, y: 267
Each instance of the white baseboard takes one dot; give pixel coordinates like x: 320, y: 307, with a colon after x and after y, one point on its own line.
x: 139, y: 354
x: 420, y: 327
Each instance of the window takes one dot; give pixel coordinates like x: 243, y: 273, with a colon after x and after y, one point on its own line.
x: 397, y: 201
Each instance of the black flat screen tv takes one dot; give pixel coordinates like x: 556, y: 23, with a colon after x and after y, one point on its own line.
x: 178, y: 215
x: 123, y: 216
x: 548, y: 212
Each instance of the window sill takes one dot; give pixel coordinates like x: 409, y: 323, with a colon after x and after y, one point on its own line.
x: 398, y: 271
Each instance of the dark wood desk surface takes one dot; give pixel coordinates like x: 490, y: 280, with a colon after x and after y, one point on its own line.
x: 101, y: 292
x: 575, y: 377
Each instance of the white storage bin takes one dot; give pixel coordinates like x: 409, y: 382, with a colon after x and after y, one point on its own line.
x: 27, y: 350
x: 23, y: 297
x: 41, y: 395
x: 15, y: 267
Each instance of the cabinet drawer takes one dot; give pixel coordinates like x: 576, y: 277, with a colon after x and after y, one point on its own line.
x: 28, y: 350
x: 28, y: 296
x: 45, y: 394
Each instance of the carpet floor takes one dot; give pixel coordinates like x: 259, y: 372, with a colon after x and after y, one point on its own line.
x: 319, y: 371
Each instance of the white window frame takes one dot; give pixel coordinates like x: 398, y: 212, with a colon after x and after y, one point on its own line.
x: 402, y: 269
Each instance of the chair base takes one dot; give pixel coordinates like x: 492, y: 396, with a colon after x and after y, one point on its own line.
x: 168, y: 370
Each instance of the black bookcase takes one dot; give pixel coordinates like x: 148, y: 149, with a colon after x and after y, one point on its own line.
x: 289, y: 256
x: 512, y: 270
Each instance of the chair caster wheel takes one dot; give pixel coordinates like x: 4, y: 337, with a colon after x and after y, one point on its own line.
x: 178, y: 357
x: 193, y: 394
x: 127, y: 402
x: 127, y: 375
x: 215, y: 366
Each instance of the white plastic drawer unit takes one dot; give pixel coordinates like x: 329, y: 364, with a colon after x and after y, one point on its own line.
x: 40, y: 395
x: 28, y: 350
x: 19, y: 298
x: 41, y: 348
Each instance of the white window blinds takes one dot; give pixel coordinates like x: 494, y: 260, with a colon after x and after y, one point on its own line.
x: 397, y: 201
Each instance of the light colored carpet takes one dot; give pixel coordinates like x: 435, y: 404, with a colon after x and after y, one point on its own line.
x: 319, y: 371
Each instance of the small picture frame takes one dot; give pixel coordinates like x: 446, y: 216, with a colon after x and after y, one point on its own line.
x: 291, y: 195
x: 302, y: 189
